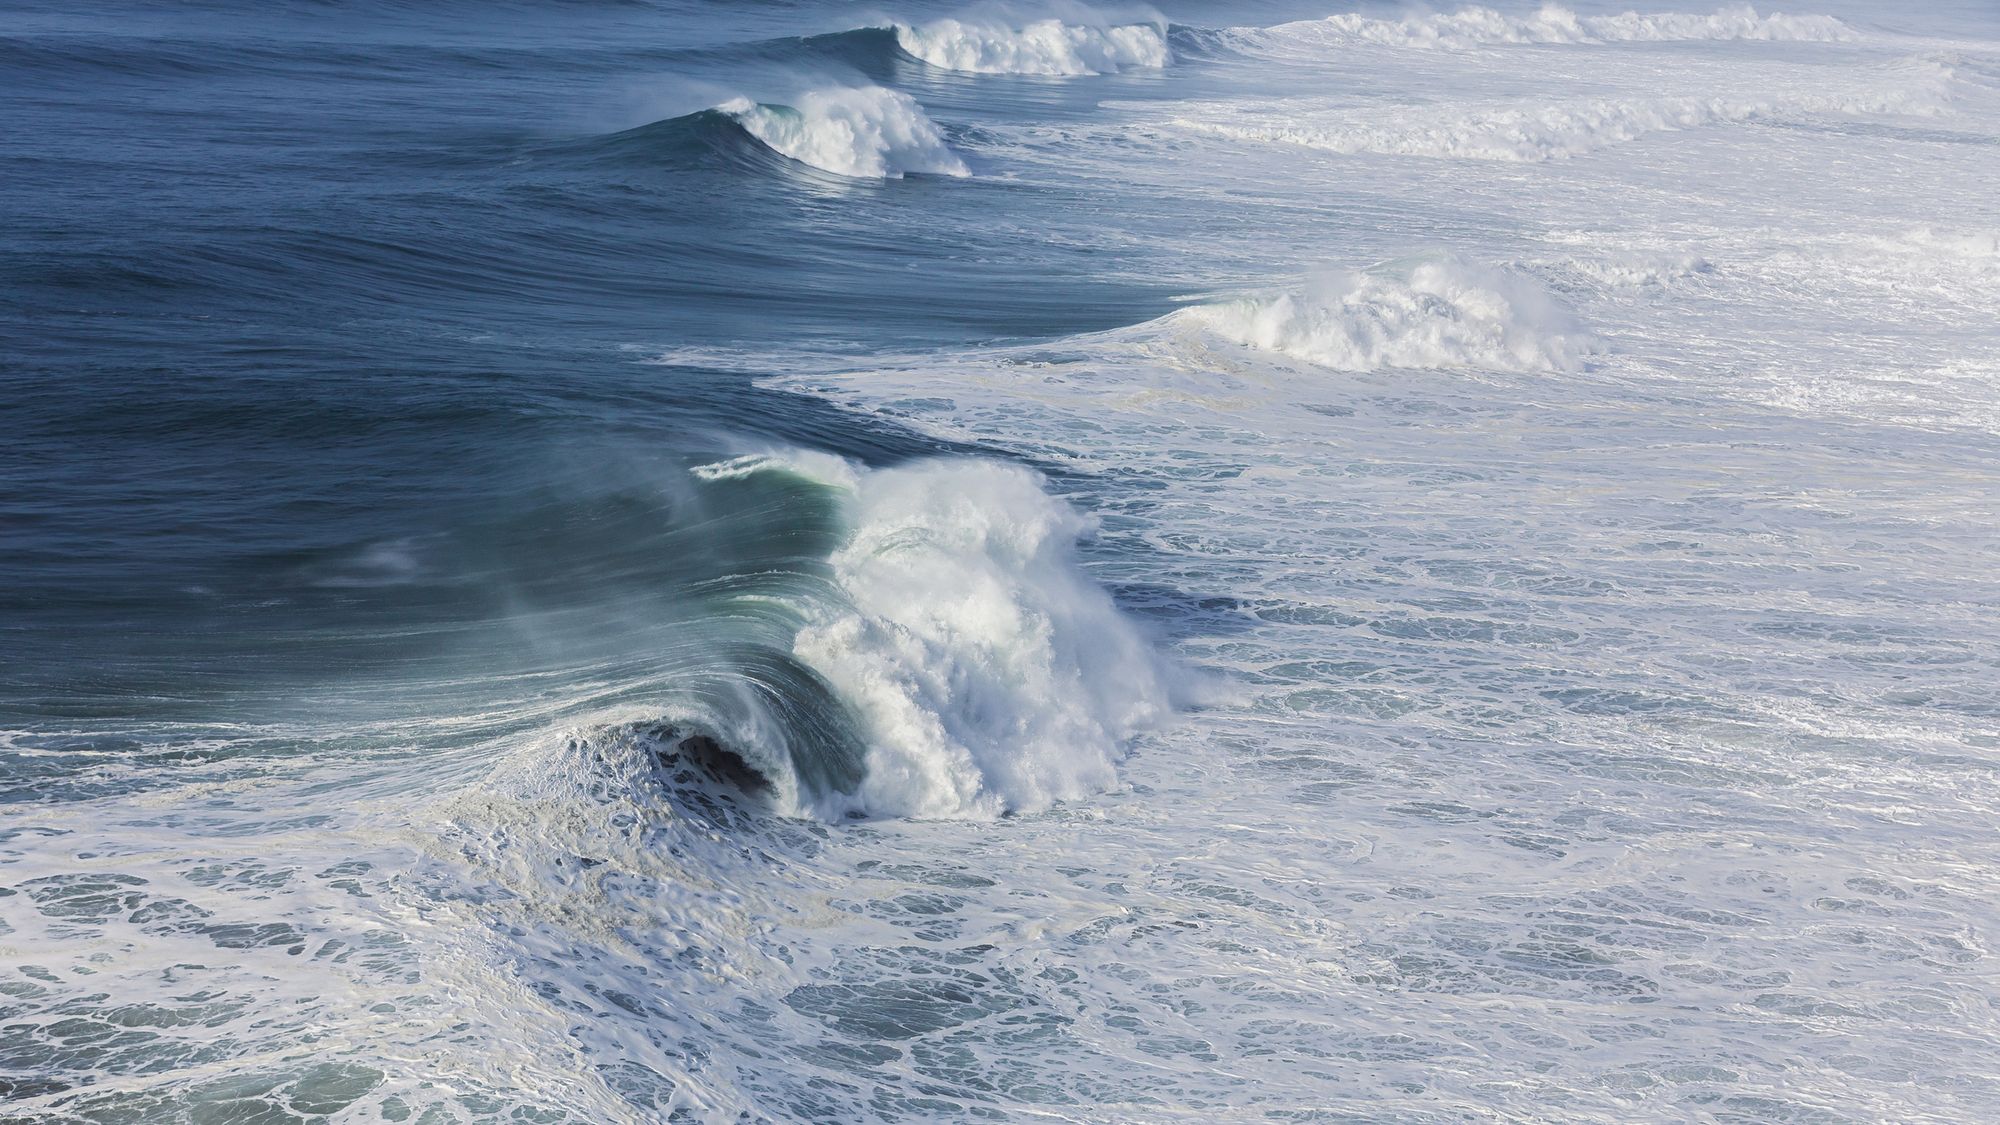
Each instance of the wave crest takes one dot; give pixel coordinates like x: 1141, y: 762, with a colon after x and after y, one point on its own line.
x: 1043, y: 47
x: 863, y: 132
x: 1429, y: 313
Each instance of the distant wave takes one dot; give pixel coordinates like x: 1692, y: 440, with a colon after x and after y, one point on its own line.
x: 1434, y: 312
x: 1474, y: 27
x: 1969, y: 246
x: 864, y: 132
x: 1042, y: 47
x: 1553, y: 130
x: 980, y: 669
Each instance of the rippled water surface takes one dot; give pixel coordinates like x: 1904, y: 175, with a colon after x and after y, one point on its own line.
x: 807, y: 562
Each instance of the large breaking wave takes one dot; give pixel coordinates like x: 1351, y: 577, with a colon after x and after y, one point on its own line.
x: 954, y: 660
x: 1048, y: 47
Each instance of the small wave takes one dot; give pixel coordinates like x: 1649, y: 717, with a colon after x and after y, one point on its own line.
x: 1475, y: 27
x: 1436, y: 312
x: 1044, y: 47
x: 984, y: 671
x: 1547, y: 131
x: 863, y: 132
x: 1969, y: 246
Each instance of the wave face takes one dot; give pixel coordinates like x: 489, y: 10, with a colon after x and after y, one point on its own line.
x: 865, y: 132
x: 1476, y: 27
x: 1043, y: 47
x: 1432, y: 313
x: 986, y: 672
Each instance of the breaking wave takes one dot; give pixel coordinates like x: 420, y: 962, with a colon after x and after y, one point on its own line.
x: 862, y: 132
x: 1043, y: 47
x: 1475, y: 27
x: 957, y: 661
x: 1433, y: 312
x: 1946, y: 244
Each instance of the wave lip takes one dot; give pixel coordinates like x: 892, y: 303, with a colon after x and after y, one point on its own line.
x: 1046, y: 47
x: 1434, y: 312
x: 1475, y: 27
x: 861, y: 132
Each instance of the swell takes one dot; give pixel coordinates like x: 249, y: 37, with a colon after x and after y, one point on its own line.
x: 1049, y: 48
x: 853, y: 133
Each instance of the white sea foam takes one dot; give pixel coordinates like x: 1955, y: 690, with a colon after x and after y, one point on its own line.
x: 1041, y: 47
x: 1557, y: 130
x: 1435, y: 312
x: 1632, y: 269
x: 988, y: 672
x: 864, y: 132
x: 1475, y: 27
x: 1583, y: 719
x: 1960, y: 246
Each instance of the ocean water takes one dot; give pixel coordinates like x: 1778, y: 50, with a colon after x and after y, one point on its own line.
x: 630, y: 561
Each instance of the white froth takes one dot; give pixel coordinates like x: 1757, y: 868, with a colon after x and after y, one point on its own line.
x: 1431, y: 313
x: 1531, y: 132
x: 991, y: 673
x: 987, y: 671
x: 864, y: 132
x: 1042, y: 47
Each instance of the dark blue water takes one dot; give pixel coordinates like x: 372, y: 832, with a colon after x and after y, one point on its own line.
x: 287, y: 285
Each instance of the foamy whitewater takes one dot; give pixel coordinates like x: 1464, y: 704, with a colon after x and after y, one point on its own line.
x: 1043, y: 47
x: 1030, y: 562
x: 864, y: 132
